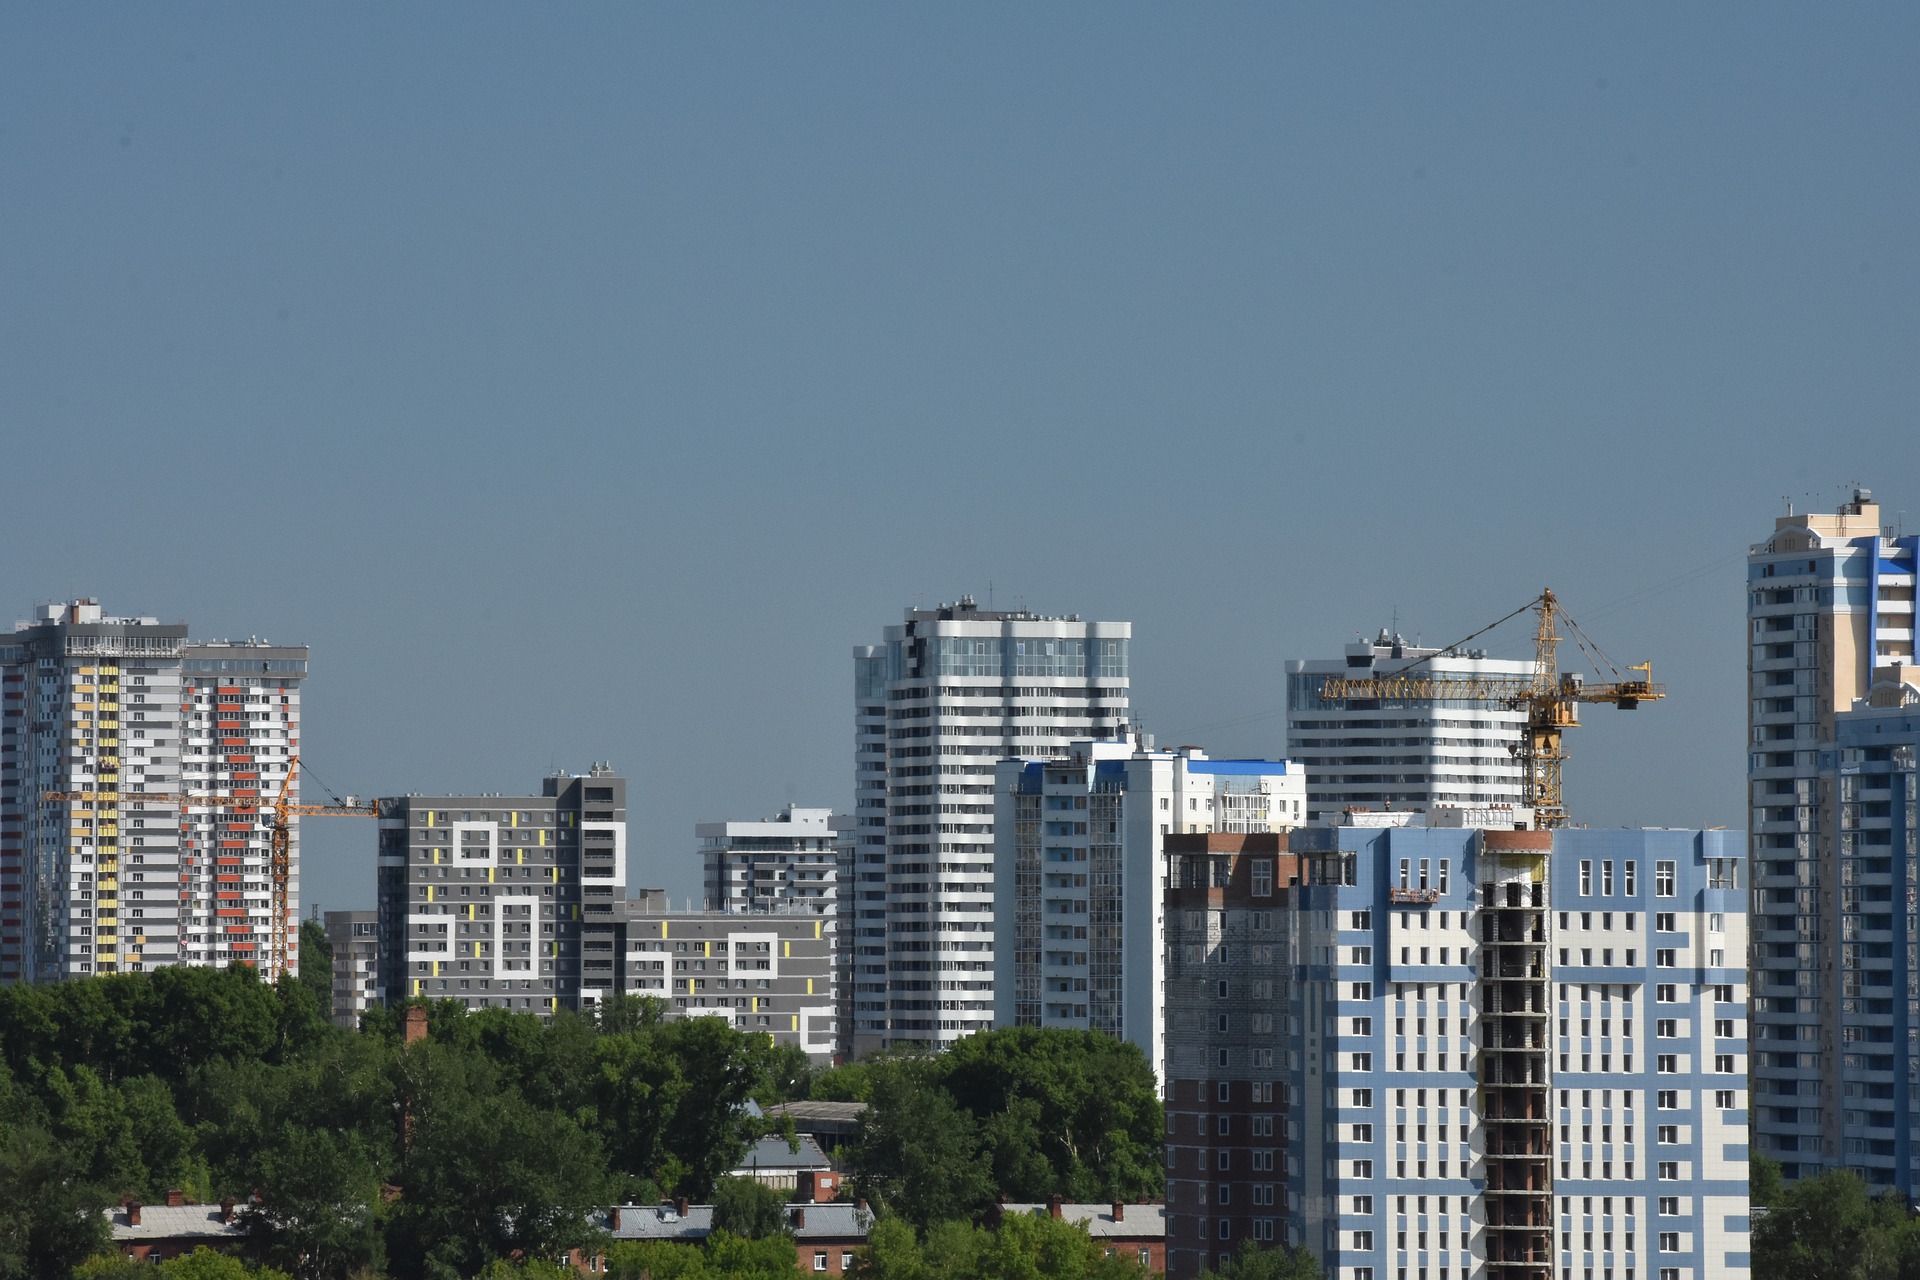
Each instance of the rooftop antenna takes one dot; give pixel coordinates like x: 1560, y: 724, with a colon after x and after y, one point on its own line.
x: 989, y: 595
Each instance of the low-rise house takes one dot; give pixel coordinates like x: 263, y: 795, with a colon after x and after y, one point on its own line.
x: 825, y: 1236
x: 1136, y: 1231
x: 157, y: 1232
x: 773, y: 1162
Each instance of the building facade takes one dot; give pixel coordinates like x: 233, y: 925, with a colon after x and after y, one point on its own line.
x: 1079, y: 872
x: 1520, y: 1054
x: 791, y: 862
x: 1869, y: 769
x: 482, y: 898
x: 947, y: 694
x: 355, y: 939
x: 1407, y: 754
x: 117, y: 708
x: 1830, y: 608
x: 770, y: 972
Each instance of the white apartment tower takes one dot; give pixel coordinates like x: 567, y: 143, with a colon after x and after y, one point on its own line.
x: 1412, y: 753
x: 949, y: 692
x: 118, y: 709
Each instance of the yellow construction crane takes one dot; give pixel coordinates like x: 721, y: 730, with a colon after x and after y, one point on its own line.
x: 1550, y: 697
x: 281, y: 863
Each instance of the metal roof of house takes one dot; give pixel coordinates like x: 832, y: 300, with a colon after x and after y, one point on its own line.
x: 173, y: 1222
x: 805, y: 1221
x: 773, y: 1155
x: 1140, y: 1221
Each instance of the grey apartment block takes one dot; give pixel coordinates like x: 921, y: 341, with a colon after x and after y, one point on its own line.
x: 770, y: 972
x: 483, y: 898
x: 1836, y: 980
x: 355, y: 939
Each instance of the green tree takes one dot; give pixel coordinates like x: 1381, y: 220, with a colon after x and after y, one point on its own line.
x: 1832, y: 1228
x: 671, y: 1100
x: 487, y: 1175
x: 1252, y: 1262
x: 1022, y: 1247
x: 316, y: 963
x: 918, y: 1153
x: 51, y: 1217
x: 316, y: 1215
x: 1069, y: 1113
x: 748, y: 1209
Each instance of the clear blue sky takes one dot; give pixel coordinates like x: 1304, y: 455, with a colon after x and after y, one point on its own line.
x: 582, y: 383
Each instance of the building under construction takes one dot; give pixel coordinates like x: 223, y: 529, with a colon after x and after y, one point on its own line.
x: 1455, y: 1046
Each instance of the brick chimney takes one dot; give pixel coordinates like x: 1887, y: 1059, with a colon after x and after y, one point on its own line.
x: 800, y: 1216
x: 226, y: 1209
x: 613, y: 1219
x: 175, y: 1197
x: 133, y: 1213
x: 1119, y: 1211
x: 680, y: 1205
x: 1053, y: 1206
x: 414, y: 1024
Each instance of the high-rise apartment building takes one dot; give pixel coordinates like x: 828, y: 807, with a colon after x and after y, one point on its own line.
x: 355, y: 939
x: 799, y: 863
x: 483, y: 897
x: 761, y: 972
x: 1079, y: 874
x: 1869, y: 769
x: 1410, y: 753
x: 120, y: 708
x: 1830, y: 609
x: 948, y: 693
x: 788, y: 863
x: 1469, y: 1048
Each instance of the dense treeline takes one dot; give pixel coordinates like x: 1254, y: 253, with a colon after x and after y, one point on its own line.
x: 499, y: 1136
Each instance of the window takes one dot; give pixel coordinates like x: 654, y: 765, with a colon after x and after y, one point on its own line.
x: 1586, y: 878
x: 1667, y: 1100
x: 1669, y: 1242
x: 1723, y: 1028
x: 1361, y: 1132
x: 1669, y: 1171
x: 1363, y: 1241
x: 1723, y: 1064
x: 1667, y: 1134
x: 846, y: 1263
x: 1262, y: 878
x: 1606, y: 879
x: 1666, y: 1028
x: 819, y: 1259
x: 1669, y: 1206
x: 1663, y: 879
x: 1664, y: 993
x: 1663, y: 922
x: 1363, y: 919
x: 1665, y: 959
x: 1667, y: 1064
x: 1629, y: 880
x: 1723, y: 1099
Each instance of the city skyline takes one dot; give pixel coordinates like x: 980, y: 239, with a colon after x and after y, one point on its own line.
x: 594, y: 417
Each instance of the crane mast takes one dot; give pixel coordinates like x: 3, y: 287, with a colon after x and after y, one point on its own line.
x: 1550, y: 698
